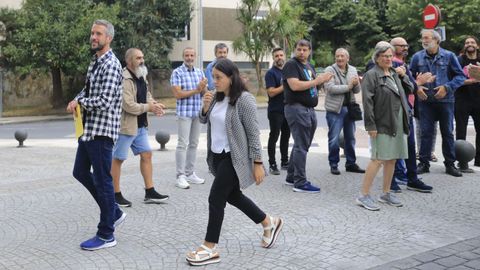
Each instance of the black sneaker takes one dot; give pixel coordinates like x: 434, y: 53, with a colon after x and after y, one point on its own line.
x: 284, y: 166
x: 453, y: 171
x: 419, y: 186
x: 274, y: 170
x: 120, y: 200
x: 463, y: 167
x: 476, y: 163
x: 334, y: 171
x: 422, y: 168
x: 152, y: 196
x: 354, y: 168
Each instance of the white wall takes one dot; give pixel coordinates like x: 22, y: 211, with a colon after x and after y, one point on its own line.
x: 12, y: 3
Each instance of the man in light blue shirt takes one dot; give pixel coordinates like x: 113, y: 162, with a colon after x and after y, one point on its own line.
x: 221, y: 51
x: 188, y: 86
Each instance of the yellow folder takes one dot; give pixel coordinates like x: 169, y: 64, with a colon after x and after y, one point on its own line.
x: 77, y: 118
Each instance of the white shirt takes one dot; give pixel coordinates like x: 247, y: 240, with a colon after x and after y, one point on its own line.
x: 217, y: 122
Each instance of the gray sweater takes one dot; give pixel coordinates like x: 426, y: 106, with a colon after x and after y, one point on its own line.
x: 337, y: 87
x: 243, y: 137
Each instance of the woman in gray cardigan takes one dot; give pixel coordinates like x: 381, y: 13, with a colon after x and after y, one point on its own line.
x: 386, y: 120
x: 341, y: 90
x: 234, y: 158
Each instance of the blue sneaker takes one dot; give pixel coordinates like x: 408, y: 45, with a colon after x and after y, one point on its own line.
x: 394, y: 187
x: 288, y: 182
x: 120, y: 220
x: 401, y: 180
x: 96, y: 242
x: 307, y: 188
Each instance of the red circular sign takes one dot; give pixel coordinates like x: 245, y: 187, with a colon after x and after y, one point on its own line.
x: 431, y: 16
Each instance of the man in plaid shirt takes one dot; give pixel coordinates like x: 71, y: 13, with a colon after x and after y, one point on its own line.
x: 100, y: 100
x: 188, y: 84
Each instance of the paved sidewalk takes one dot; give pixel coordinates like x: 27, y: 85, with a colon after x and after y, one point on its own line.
x: 45, y: 213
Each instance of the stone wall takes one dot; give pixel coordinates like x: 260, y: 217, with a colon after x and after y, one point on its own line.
x: 32, y: 90
x: 35, y: 89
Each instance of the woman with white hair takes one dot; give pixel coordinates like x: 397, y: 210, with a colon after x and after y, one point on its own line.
x: 386, y: 120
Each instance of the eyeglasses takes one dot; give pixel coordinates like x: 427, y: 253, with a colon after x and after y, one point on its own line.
x: 403, y: 46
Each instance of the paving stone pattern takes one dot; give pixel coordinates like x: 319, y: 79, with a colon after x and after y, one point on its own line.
x: 45, y: 214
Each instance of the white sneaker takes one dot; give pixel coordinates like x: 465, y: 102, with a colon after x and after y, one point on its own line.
x: 182, y: 182
x: 194, y: 179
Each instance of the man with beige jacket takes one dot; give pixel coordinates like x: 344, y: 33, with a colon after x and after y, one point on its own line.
x: 137, y: 102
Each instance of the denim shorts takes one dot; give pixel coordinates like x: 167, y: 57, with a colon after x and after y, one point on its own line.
x: 138, y: 143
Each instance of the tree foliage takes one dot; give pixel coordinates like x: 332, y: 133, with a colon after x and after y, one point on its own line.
x: 152, y: 26
x: 342, y: 24
x: 53, y: 35
x: 266, y: 26
x: 460, y: 18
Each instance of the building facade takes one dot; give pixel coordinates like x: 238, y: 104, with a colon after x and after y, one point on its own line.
x: 213, y: 21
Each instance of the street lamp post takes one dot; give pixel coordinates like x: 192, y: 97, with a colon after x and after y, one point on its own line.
x: 3, y: 34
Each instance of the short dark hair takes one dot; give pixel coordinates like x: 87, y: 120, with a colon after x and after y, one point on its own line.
x: 220, y: 45
x: 303, y: 43
x: 228, y: 68
x: 276, y: 50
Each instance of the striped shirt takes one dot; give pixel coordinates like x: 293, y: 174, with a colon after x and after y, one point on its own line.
x: 101, y: 98
x: 187, y: 79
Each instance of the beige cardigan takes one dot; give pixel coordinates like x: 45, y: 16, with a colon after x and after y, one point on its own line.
x: 130, y: 108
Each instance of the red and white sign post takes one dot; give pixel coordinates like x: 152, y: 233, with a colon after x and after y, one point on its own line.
x: 431, y: 16
x: 431, y: 19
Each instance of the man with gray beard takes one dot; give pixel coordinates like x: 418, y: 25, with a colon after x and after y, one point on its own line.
x: 137, y: 101
x: 436, y: 98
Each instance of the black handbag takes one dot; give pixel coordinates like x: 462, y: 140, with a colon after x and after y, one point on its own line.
x: 354, y: 111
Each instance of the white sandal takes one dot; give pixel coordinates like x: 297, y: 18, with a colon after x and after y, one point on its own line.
x: 275, y: 231
x: 204, y: 257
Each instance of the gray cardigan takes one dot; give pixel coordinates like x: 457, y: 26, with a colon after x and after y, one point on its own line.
x: 243, y: 135
x: 337, y: 87
x: 381, y: 103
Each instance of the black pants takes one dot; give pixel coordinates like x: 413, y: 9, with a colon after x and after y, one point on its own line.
x: 226, y: 188
x: 463, y: 110
x: 278, y: 124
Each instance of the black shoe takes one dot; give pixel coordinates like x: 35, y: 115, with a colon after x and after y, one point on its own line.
x: 152, y: 196
x: 354, y: 168
x: 284, y: 166
x: 120, y: 200
x: 463, y: 167
x: 477, y: 163
x: 274, y: 170
x: 419, y: 186
x: 334, y: 171
x: 394, y: 187
x: 453, y: 171
x: 422, y: 168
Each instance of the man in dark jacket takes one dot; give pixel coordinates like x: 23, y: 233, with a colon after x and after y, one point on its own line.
x: 467, y: 100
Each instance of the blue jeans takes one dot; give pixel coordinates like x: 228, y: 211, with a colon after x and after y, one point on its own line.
x: 337, y: 121
x: 97, y: 154
x: 443, y: 113
x: 303, y: 123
